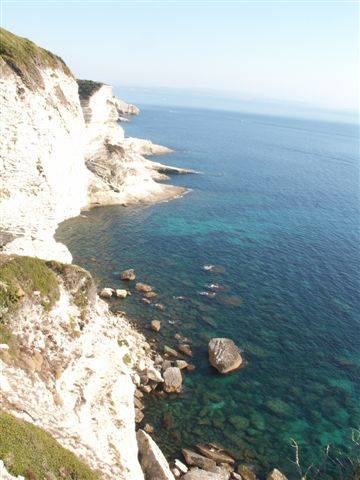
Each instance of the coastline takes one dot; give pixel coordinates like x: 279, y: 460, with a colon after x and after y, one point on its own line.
x: 68, y: 366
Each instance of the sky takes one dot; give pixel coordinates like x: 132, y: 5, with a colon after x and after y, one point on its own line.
x: 290, y: 51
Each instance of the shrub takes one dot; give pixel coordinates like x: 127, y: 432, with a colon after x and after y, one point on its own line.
x: 24, y: 275
x: 30, y: 451
x: 26, y: 59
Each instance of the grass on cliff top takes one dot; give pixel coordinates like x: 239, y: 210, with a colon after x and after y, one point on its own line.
x: 25, y: 59
x: 21, y: 276
x: 30, y: 451
x: 88, y: 88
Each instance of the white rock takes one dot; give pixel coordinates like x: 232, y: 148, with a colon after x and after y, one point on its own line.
x: 198, y: 474
x: 224, y: 355
x: 121, y: 293
x: 172, y: 380
x: 154, y: 375
x: 106, y: 292
x: 4, y: 346
x: 181, y: 466
x: 152, y: 459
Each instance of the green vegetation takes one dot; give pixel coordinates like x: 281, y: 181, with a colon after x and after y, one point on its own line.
x: 20, y: 276
x: 77, y: 281
x: 127, y: 359
x: 88, y: 88
x: 25, y: 59
x: 30, y: 451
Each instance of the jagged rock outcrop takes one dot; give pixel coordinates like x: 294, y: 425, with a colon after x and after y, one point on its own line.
x: 120, y: 172
x: 152, y: 460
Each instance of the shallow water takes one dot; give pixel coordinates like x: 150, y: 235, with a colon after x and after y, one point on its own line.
x: 276, y: 206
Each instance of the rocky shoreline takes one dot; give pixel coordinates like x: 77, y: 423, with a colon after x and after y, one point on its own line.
x: 165, y: 378
x: 73, y: 374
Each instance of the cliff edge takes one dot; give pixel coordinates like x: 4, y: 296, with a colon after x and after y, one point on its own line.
x: 63, y: 149
x: 68, y: 367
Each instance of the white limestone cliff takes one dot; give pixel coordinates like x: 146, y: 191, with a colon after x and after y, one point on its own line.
x: 120, y: 171
x: 43, y: 175
x: 69, y: 371
x: 53, y: 164
x: 58, y: 155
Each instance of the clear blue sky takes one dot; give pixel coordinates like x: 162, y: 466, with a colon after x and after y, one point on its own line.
x: 288, y: 50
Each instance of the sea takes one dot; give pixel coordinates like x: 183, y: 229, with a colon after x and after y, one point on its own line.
x: 274, y: 210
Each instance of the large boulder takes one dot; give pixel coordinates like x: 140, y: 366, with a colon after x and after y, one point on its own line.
x: 246, y: 472
x: 195, y: 460
x: 172, y: 380
x: 106, y: 292
x: 198, y: 474
x: 121, y: 293
x: 215, y: 453
x: 143, y: 287
x: 154, y: 375
x: 152, y: 460
x: 224, y: 355
x: 128, y: 275
x: 276, y: 475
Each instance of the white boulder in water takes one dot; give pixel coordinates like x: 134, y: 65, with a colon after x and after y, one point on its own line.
x: 224, y: 355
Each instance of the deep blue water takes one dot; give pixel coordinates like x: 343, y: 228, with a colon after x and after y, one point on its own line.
x: 277, y: 206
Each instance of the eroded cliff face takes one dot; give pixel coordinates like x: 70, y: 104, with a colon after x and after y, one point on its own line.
x: 43, y: 174
x: 61, y: 152
x: 67, y: 364
x: 120, y: 171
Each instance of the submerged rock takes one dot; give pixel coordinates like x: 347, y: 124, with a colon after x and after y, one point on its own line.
x: 246, y: 472
x: 196, y: 460
x: 156, y: 325
x: 185, y: 349
x: 143, y: 287
x: 172, y: 380
x: 207, y: 294
x: 224, y: 355
x: 152, y: 460
x: 240, y: 423
x: 170, y: 352
x: 150, y: 294
x: 214, y: 268
x: 215, y: 453
x: 128, y: 275
x: 160, y: 306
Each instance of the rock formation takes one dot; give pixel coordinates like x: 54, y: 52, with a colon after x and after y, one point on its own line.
x: 62, y: 149
x: 67, y: 365
x: 152, y: 460
x: 224, y: 355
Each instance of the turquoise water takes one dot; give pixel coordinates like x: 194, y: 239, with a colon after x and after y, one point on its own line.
x: 276, y: 206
